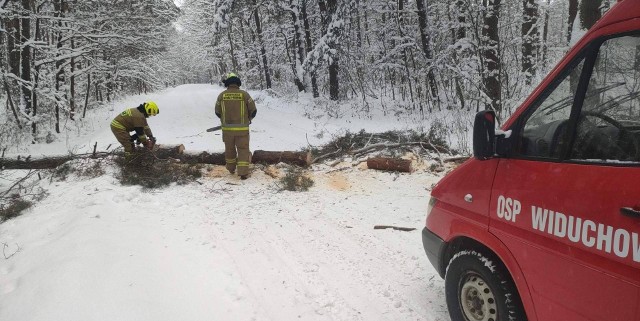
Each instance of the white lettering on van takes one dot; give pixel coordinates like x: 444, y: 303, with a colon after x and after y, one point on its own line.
x: 621, y: 243
x: 539, y: 217
x: 574, y: 233
x: 588, y: 241
x: 602, y: 237
x: 508, y: 208
x: 560, y: 227
x: 636, y: 247
x: 605, y: 237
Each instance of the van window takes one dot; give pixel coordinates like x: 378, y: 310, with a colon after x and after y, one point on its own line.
x: 608, y: 128
x: 543, y: 134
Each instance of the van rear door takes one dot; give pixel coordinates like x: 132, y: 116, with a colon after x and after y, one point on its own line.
x: 567, y: 200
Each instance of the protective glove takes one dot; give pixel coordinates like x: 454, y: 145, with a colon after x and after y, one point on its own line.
x: 148, y: 144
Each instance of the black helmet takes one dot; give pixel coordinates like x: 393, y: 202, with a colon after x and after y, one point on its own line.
x: 232, y: 79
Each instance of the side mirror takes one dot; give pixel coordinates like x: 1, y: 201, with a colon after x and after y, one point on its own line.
x: 484, y: 135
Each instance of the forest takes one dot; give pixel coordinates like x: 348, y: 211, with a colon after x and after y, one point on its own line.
x: 61, y: 59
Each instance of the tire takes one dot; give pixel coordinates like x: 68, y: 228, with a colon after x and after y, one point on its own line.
x: 479, y: 289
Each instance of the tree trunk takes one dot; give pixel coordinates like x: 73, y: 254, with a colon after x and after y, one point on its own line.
x: 10, y: 102
x: 34, y: 93
x: 297, y: 43
x: 59, y: 7
x: 25, y: 56
x: 426, y: 43
x: 390, y: 164
x: 545, y: 35
x: 72, y: 85
x: 589, y: 13
x: 573, y: 12
x: 492, y: 63
x: 168, y: 151
x: 13, y: 34
x: 529, y: 32
x: 160, y: 151
x: 234, y: 61
x: 307, y: 36
x: 263, y: 51
x: 86, y: 97
x: 296, y: 158
x: 328, y: 9
x: 203, y: 158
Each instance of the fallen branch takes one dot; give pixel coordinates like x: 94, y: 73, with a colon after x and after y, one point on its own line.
x: 382, y: 227
x: 315, y: 160
x: 456, y: 159
x: 5, y: 245
x: 18, y: 182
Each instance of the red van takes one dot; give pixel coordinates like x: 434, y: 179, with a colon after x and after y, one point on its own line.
x: 543, y: 223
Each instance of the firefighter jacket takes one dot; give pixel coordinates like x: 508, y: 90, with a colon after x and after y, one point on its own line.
x: 133, y: 119
x: 236, y: 109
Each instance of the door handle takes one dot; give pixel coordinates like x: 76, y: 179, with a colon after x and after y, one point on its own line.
x: 628, y: 211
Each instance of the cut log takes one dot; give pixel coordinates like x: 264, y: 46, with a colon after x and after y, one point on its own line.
x: 302, y: 159
x: 168, y: 151
x: 390, y: 164
x: 203, y: 158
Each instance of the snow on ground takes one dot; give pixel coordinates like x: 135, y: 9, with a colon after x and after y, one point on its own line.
x: 222, y: 249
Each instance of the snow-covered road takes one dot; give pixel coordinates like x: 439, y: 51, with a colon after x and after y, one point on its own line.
x: 224, y: 249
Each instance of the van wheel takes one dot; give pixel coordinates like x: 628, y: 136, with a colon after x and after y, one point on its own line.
x: 477, y: 289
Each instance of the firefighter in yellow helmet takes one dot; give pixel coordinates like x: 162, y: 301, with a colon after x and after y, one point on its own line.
x: 135, y: 120
x: 236, y: 109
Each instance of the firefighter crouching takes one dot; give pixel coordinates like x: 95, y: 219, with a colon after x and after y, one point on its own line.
x: 236, y: 109
x: 135, y: 120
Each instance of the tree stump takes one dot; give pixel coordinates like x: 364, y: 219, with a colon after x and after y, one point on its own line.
x: 390, y: 164
x: 302, y: 159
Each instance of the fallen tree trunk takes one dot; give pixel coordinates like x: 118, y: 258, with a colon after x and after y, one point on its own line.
x: 160, y: 151
x: 390, y: 164
x: 28, y: 163
x: 203, y: 158
x: 166, y: 151
x: 302, y: 159
x: 163, y: 152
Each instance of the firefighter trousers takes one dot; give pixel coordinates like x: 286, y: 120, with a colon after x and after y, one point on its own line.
x: 236, y: 151
x: 123, y: 138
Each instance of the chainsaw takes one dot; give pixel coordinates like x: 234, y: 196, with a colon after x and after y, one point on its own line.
x: 213, y: 129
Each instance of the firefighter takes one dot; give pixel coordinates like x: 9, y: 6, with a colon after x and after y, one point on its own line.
x: 135, y: 120
x: 236, y: 109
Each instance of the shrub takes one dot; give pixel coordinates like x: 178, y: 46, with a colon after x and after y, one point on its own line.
x: 296, y: 180
x: 157, y: 173
x: 14, y: 208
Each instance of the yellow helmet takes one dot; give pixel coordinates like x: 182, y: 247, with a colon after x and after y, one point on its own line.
x: 232, y: 79
x: 151, y: 108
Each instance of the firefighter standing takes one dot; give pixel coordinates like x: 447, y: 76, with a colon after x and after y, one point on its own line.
x: 135, y: 119
x: 236, y: 109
